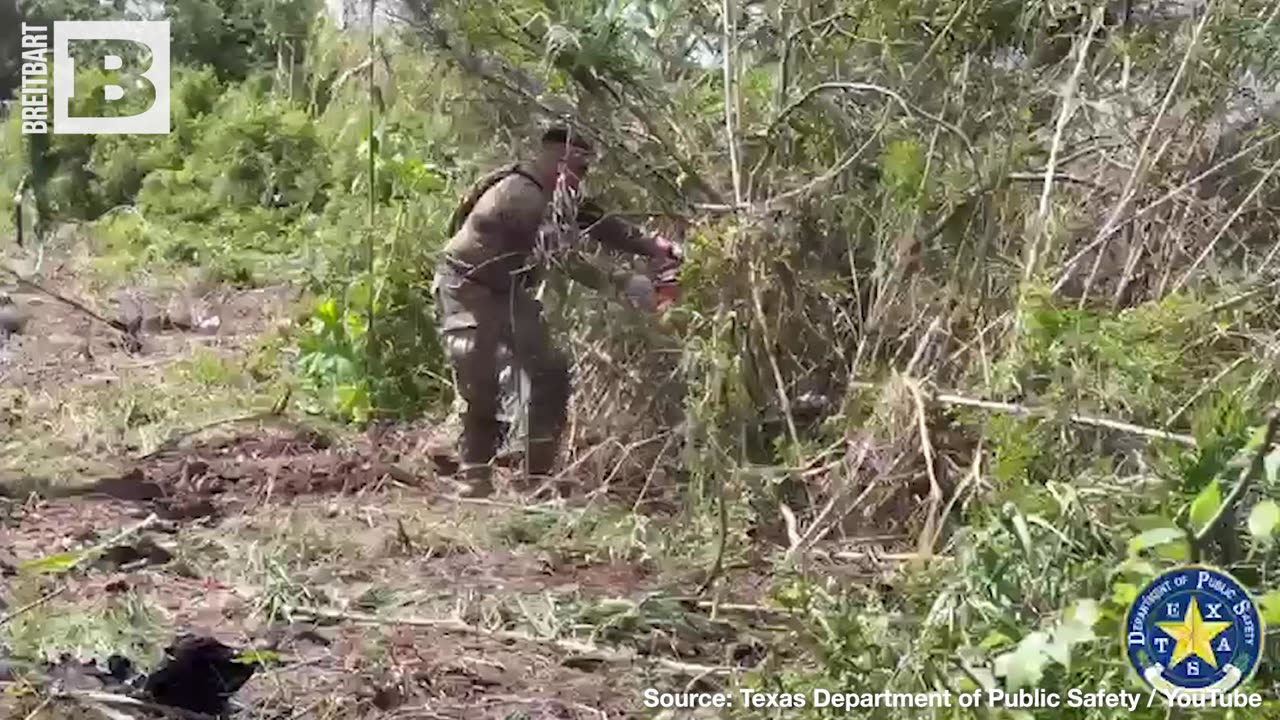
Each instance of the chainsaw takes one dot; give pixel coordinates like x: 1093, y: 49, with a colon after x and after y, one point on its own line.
x: 659, y: 287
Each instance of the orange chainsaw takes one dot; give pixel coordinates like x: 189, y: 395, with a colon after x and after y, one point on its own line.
x: 665, y: 274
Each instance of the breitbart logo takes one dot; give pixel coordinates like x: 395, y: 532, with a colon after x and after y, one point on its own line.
x: 37, y: 85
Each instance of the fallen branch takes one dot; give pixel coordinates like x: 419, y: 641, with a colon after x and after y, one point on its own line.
x: 933, y: 522
x: 1011, y: 408
x: 569, y: 646
x: 903, y: 557
x: 19, y: 612
x: 104, y: 698
x: 92, y: 553
x: 819, y: 528
x: 31, y: 284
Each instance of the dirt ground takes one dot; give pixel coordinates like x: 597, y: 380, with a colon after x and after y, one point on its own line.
x: 376, y: 593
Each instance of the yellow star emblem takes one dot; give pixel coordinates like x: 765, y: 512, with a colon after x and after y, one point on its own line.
x: 1193, y: 635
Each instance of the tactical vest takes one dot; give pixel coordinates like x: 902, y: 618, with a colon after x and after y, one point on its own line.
x: 478, y: 190
x: 589, y: 211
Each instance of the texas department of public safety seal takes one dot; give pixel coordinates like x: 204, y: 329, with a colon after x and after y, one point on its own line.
x: 1193, y: 631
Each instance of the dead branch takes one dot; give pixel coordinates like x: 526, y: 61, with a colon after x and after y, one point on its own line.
x: 83, y: 557
x: 43, y: 599
x: 907, y: 108
x: 1039, y: 237
x: 103, y: 698
x: 1159, y: 202
x: 1046, y: 412
x: 80, y: 307
x: 1028, y: 411
x: 730, y: 99
x: 611, y: 655
x: 932, y: 523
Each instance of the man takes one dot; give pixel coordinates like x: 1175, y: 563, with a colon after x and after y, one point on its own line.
x: 484, y: 282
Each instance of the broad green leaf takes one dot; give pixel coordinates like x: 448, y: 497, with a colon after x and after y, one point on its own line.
x: 1024, y: 666
x: 995, y: 639
x: 1085, y: 613
x: 1269, y: 608
x: 1076, y: 628
x: 1123, y: 594
x: 1263, y: 519
x: 59, y: 563
x: 1154, y: 538
x: 1206, y: 505
x: 1020, y: 528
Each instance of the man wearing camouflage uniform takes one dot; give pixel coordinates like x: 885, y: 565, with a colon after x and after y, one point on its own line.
x: 484, y: 281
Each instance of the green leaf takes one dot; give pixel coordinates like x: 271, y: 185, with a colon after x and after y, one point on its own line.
x: 1025, y: 665
x: 59, y: 563
x: 995, y: 639
x: 261, y: 657
x: 1085, y: 613
x: 1123, y: 594
x: 1075, y: 628
x: 1263, y: 519
x: 1020, y: 527
x: 1154, y: 538
x: 1206, y: 505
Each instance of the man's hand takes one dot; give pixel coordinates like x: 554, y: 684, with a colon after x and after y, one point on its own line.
x: 664, y: 249
x: 639, y: 291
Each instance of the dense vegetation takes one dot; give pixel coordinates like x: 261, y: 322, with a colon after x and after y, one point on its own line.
x: 994, y: 277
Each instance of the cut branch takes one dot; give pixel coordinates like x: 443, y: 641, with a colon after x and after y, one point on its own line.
x: 569, y: 646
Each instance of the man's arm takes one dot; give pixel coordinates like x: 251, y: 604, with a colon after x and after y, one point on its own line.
x: 616, y: 233
x: 582, y: 270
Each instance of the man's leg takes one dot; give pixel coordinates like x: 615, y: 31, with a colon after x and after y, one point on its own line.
x: 549, y: 385
x: 472, y: 332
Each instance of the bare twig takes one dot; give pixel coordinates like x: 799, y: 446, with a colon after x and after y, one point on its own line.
x: 1039, y: 238
x: 767, y: 341
x: 973, y: 476
x: 19, y: 612
x: 172, y: 442
x: 81, y: 558
x: 1159, y: 202
x: 48, y: 700
x: 1112, y: 223
x: 31, y: 284
x: 569, y: 646
x: 933, y: 520
x: 1025, y: 410
x: 1141, y: 165
x: 86, y: 696
x: 1253, y: 192
x: 819, y: 528
x: 730, y: 93
x: 901, y: 102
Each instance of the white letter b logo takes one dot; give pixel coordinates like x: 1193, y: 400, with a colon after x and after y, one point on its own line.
x: 153, y: 35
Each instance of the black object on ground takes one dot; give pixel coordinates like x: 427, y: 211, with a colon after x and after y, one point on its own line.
x: 199, y: 674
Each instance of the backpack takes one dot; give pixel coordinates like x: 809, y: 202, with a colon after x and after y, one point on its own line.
x: 478, y: 190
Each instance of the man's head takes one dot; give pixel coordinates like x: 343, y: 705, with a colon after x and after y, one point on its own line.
x: 561, y: 150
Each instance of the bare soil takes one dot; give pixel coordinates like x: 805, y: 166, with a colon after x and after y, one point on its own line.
x: 262, y: 518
